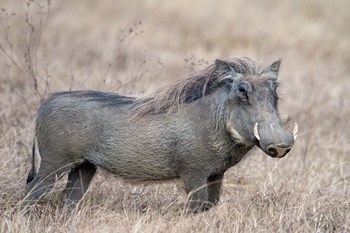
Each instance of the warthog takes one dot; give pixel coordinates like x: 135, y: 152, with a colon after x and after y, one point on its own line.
x: 194, y: 129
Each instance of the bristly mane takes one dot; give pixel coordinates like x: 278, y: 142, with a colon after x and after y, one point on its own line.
x: 191, y: 87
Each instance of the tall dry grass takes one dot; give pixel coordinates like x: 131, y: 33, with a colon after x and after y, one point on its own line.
x: 136, y: 46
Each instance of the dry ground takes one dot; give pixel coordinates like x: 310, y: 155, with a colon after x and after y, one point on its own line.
x: 136, y: 46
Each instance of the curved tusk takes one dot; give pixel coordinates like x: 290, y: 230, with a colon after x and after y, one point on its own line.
x: 295, y: 131
x: 256, y: 132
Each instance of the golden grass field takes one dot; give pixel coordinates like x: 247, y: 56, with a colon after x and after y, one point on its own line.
x: 134, y: 47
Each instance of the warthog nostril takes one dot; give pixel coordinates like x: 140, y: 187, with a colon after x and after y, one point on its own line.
x: 279, y: 150
x: 272, y: 151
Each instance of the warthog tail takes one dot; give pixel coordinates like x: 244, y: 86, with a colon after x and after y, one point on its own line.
x: 32, y: 172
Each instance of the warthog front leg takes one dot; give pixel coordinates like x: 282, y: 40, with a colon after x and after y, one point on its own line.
x: 197, y: 189
x: 78, y: 182
x: 214, y: 188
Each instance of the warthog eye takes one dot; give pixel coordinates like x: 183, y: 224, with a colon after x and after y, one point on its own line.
x: 243, y: 90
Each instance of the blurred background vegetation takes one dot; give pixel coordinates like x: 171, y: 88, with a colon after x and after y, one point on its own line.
x: 134, y: 47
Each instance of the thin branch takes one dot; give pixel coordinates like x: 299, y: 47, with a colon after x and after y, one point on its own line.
x: 11, y: 59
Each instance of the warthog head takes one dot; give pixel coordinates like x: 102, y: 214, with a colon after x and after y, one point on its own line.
x: 251, y: 110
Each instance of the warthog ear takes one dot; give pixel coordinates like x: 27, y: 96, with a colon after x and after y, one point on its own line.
x: 224, y: 68
x: 275, y: 67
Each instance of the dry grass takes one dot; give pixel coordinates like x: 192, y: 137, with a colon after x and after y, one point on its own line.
x: 103, y: 46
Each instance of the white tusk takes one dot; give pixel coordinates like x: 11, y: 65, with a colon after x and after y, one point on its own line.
x: 256, y: 132
x: 295, y: 131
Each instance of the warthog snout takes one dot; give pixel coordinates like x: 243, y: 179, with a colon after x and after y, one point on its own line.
x: 275, y: 141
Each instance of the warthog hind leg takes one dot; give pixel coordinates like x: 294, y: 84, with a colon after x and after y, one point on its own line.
x: 78, y: 182
x: 43, y: 182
